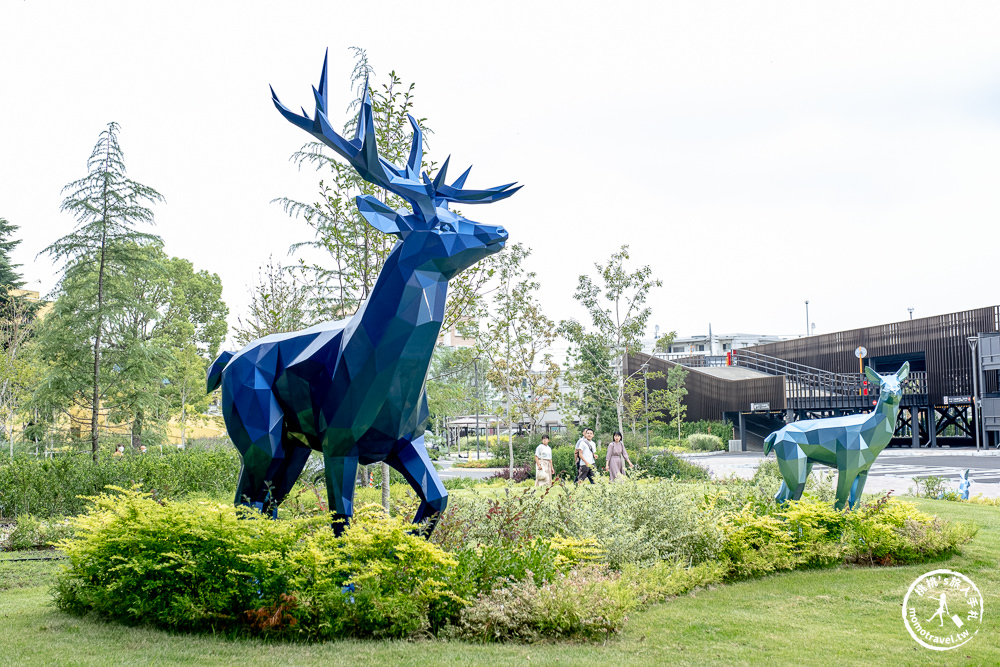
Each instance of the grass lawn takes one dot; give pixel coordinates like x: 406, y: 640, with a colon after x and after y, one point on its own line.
x: 841, y: 616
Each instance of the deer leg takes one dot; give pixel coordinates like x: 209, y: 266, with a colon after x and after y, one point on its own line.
x: 845, y: 485
x: 411, y: 460
x: 341, y: 474
x: 794, y: 466
x: 255, y: 422
x: 858, y: 488
x: 289, y: 471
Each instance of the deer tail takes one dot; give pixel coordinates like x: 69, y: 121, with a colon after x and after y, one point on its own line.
x: 769, y: 442
x: 214, y: 378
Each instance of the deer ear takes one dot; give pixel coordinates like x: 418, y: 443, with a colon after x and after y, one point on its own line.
x: 903, y: 372
x: 872, y: 375
x: 380, y: 216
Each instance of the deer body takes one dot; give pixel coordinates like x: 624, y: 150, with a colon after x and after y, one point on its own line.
x: 353, y: 389
x: 850, y: 444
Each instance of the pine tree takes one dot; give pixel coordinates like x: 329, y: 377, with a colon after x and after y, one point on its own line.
x: 10, y: 278
x: 99, y: 255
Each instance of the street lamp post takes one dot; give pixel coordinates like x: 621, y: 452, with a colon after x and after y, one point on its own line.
x: 973, y: 340
x: 807, y: 317
x: 645, y: 399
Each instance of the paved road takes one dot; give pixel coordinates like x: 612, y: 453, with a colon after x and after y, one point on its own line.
x: 893, y: 470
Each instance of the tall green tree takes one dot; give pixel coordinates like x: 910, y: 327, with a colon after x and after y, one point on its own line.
x: 108, y: 207
x: 674, y: 397
x: 18, y: 371
x: 616, y: 302
x: 516, y: 341
x: 10, y: 278
x: 278, y: 303
x: 174, y: 325
x: 451, y: 389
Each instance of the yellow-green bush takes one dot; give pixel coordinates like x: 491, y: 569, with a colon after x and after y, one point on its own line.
x: 204, y: 566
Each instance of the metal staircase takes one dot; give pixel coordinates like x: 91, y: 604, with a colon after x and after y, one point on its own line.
x: 808, y: 388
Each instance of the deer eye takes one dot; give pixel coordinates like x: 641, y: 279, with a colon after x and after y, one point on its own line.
x: 446, y: 227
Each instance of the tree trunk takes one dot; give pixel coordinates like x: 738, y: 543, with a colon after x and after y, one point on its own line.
x: 137, y: 431
x: 184, y: 414
x: 96, y: 399
x: 621, y: 400
x: 385, y: 486
x: 510, y: 440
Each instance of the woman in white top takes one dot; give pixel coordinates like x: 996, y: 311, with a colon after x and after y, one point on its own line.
x: 543, y: 463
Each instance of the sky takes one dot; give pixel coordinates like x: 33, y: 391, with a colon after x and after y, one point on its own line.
x: 755, y: 155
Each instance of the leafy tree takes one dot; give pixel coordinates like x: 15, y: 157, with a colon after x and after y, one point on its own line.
x: 178, y: 321
x: 516, y: 341
x: 664, y: 342
x: 100, y: 251
x: 18, y: 372
x: 674, y: 397
x: 451, y: 387
x: 619, y: 316
x: 278, y: 303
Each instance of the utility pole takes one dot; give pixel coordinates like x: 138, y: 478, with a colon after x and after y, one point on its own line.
x: 807, y: 317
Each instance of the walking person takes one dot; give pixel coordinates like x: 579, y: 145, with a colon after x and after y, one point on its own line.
x: 616, y: 458
x: 586, y: 454
x: 543, y: 463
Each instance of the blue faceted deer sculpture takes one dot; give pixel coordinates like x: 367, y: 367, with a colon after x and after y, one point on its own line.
x: 353, y: 389
x: 850, y: 444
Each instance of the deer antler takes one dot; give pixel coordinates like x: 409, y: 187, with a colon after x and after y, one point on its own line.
x: 417, y: 188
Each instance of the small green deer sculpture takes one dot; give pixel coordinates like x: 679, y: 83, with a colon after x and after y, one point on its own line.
x: 850, y: 444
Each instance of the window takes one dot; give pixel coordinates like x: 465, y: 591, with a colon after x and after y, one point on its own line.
x: 726, y: 346
x: 701, y: 348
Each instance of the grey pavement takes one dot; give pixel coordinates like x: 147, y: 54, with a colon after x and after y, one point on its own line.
x: 893, y: 470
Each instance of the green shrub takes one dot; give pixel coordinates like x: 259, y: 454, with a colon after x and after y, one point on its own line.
x: 666, y: 579
x: 399, y: 580
x: 669, y: 466
x: 33, y: 533
x: 564, y: 462
x: 930, y: 486
x: 644, y: 523
x: 589, y: 603
x: 203, y: 566
x: 55, y: 486
x: 890, y: 532
x: 574, y: 552
x: 704, y: 442
x: 481, y: 567
x: 756, y: 545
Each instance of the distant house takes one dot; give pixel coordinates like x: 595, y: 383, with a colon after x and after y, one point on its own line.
x: 718, y: 344
x: 33, y: 297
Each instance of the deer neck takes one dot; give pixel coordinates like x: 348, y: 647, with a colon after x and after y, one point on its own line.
x: 883, y: 420
x: 402, y: 316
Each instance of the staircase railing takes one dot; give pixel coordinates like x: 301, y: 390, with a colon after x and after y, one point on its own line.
x: 808, y: 386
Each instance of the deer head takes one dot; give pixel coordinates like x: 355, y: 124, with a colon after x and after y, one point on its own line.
x: 890, y: 386
x: 447, y: 242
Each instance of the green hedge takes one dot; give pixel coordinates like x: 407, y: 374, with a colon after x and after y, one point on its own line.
x: 52, y: 487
